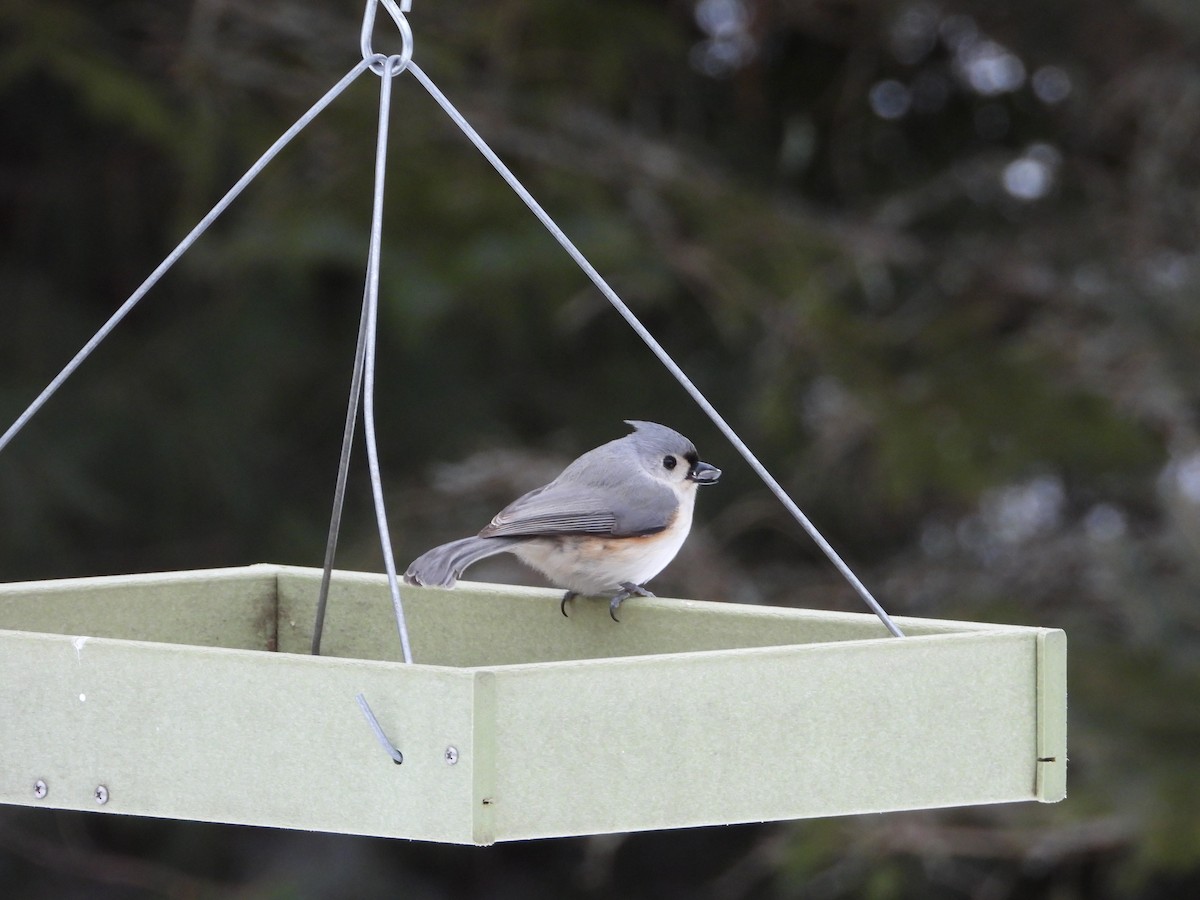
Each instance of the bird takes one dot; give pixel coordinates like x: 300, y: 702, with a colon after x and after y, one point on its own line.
x: 609, y: 523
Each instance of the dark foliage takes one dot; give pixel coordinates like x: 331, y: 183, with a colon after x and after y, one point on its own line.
x: 937, y: 261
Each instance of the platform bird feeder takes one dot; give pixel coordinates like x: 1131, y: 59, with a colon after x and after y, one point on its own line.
x: 192, y: 695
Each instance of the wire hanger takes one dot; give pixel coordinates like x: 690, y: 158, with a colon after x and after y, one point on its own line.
x: 388, y: 67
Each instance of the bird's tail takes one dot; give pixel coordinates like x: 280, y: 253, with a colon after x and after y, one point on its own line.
x: 442, y: 566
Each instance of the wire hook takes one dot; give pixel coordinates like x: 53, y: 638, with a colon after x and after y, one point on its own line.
x: 382, y: 63
x: 388, y: 746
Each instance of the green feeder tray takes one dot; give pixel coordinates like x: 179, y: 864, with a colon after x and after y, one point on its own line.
x: 191, y: 695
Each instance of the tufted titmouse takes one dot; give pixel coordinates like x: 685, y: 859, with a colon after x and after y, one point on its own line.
x: 610, y: 522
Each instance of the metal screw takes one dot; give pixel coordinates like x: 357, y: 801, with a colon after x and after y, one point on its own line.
x: 39, y: 789
x: 450, y: 756
x: 101, y: 794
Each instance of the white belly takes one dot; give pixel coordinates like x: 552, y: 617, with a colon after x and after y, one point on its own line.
x: 591, y: 564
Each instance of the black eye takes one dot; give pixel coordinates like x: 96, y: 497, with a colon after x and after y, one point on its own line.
x: 669, y: 462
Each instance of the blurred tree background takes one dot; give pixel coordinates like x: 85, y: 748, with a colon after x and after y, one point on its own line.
x: 937, y: 260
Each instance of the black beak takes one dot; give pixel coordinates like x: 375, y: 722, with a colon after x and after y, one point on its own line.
x: 703, y: 473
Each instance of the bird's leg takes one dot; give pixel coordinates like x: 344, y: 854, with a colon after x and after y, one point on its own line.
x: 628, y: 589
x: 567, y: 598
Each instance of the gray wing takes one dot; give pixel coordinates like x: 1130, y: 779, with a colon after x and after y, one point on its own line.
x: 562, y: 509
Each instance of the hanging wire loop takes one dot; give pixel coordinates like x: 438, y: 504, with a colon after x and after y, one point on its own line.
x: 382, y: 63
x: 362, y: 388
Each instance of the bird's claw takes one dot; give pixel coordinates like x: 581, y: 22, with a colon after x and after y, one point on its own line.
x: 628, y: 589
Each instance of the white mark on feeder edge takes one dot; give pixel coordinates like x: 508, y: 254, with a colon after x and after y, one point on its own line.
x: 78, y: 645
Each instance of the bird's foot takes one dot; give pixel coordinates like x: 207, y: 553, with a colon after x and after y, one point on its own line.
x: 567, y: 598
x: 628, y: 589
